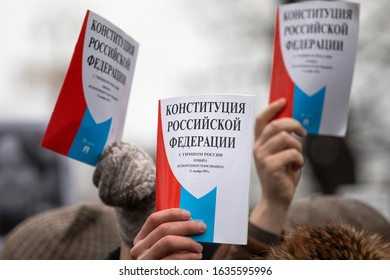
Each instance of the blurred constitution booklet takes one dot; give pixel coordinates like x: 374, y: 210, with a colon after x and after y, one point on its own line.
x: 91, y: 108
x: 314, y: 56
x: 204, y: 146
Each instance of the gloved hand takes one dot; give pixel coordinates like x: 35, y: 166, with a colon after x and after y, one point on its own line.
x: 125, y: 177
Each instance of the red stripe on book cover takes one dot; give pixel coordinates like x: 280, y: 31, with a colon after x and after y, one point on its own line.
x: 167, y: 186
x: 282, y: 85
x: 71, y: 105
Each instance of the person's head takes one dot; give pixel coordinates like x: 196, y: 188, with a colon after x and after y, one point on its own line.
x: 330, y: 242
x: 85, y: 231
x: 333, y: 227
x: 325, y: 209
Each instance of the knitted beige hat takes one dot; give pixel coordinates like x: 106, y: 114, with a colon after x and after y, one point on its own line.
x: 84, y: 231
x: 125, y: 177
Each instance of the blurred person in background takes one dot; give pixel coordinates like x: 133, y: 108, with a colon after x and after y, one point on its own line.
x: 32, y: 179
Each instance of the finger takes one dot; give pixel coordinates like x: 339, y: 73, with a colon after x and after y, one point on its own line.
x: 181, y: 228
x: 289, y: 157
x: 267, y: 115
x: 272, y: 150
x: 184, y: 256
x: 161, y: 217
x: 167, y: 246
x: 172, y: 244
x: 285, y: 124
x: 279, y: 142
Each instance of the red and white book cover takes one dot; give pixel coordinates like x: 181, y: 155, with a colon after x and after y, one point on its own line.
x: 91, y: 108
x: 204, y: 152
x: 315, y: 48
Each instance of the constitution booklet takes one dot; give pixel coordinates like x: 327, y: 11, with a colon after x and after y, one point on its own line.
x: 204, y: 151
x: 91, y: 108
x: 314, y: 56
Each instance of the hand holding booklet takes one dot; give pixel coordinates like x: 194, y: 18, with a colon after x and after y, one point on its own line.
x: 204, y: 151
